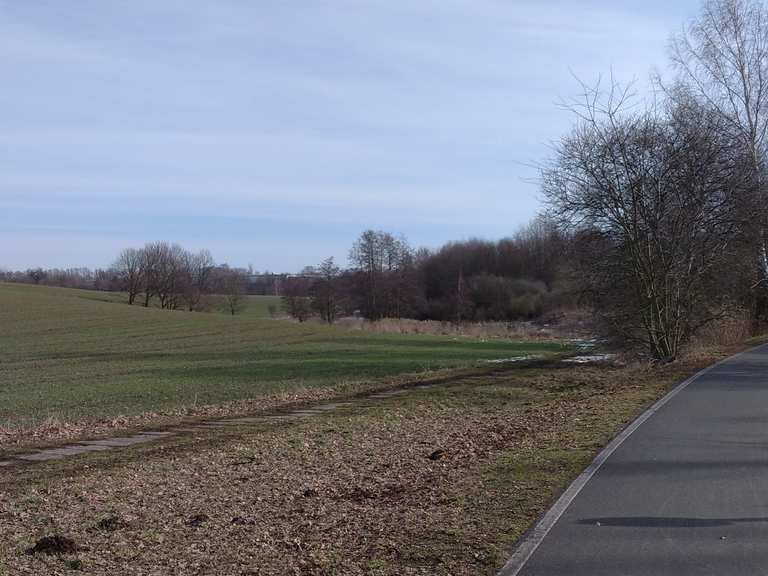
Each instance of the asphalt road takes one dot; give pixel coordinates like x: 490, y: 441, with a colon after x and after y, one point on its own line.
x: 685, y: 494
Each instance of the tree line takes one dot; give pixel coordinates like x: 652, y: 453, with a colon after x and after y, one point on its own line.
x: 475, y: 280
x: 177, y: 278
x: 515, y: 278
x: 160, y: 274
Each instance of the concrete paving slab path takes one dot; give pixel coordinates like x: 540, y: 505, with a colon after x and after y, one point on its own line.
x: 43, y: 455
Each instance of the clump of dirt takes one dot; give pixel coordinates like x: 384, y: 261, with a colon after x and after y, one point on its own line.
x: 436, y: 455
x: 197, y: 520
x: 54, y: 545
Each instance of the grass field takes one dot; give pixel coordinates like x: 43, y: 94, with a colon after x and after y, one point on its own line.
x: 78, y: 355
x: 258, y: 306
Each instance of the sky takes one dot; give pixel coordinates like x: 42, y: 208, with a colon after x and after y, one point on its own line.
x: 274, y: 132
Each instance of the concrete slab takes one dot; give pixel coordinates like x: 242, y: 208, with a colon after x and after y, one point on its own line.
x: 119, y: 441
x: 225, y: 423
x: 248, y: 420
x: 80, y: 449
x: 389, y: 394
x: 41, y: 456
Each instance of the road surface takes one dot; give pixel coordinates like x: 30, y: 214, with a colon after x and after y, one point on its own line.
x: 685, y: 494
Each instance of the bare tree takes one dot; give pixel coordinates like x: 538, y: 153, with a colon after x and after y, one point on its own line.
x: 129, y: 268
x: 384, y: 267
x: 325, y: 290
x: 296, y: 298
x: 368, y: 258
x: 197, y: 278
x: 173, y: 275
x: 722, y: 57
x: 654, y: 197
x: 37, y: 275
x: 151, y: 255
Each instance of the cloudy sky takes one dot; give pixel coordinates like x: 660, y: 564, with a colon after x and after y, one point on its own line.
x: 274, y: 132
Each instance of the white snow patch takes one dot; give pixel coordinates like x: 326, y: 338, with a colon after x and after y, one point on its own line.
x: 511, y: 359
x: 590, y: 358
x: 587, y: 343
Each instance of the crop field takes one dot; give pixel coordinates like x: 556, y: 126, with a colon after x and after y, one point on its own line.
x: 77, y: 355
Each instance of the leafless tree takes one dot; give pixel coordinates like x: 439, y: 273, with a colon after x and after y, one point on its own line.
x: 129, y: 267
x: 198, y: 270
x: 151, y: 255
x: 296, y: 300
x: 722, y: 57
x: 367, y: 256
x: 325, y: 290
x: 172, y: 275
x: 654, y: 198
x: 37, y: 275
x: 384, y: 267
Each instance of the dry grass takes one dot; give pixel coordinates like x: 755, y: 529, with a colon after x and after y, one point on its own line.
x: 571, y: 324
x: 737, y: 327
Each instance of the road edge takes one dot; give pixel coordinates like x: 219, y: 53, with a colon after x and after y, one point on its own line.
x: 530, y: 541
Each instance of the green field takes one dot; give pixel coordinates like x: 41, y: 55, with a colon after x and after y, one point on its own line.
x: 79, y: 355
x: 258, y: 306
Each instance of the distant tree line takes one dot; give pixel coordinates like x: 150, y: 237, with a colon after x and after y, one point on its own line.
x: 177, y: 278
x: 84, y: 278
x: 158, y: 274
x: 515, y: 278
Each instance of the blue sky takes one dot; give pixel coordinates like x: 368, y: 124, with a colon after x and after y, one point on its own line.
x: 273, y: 133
